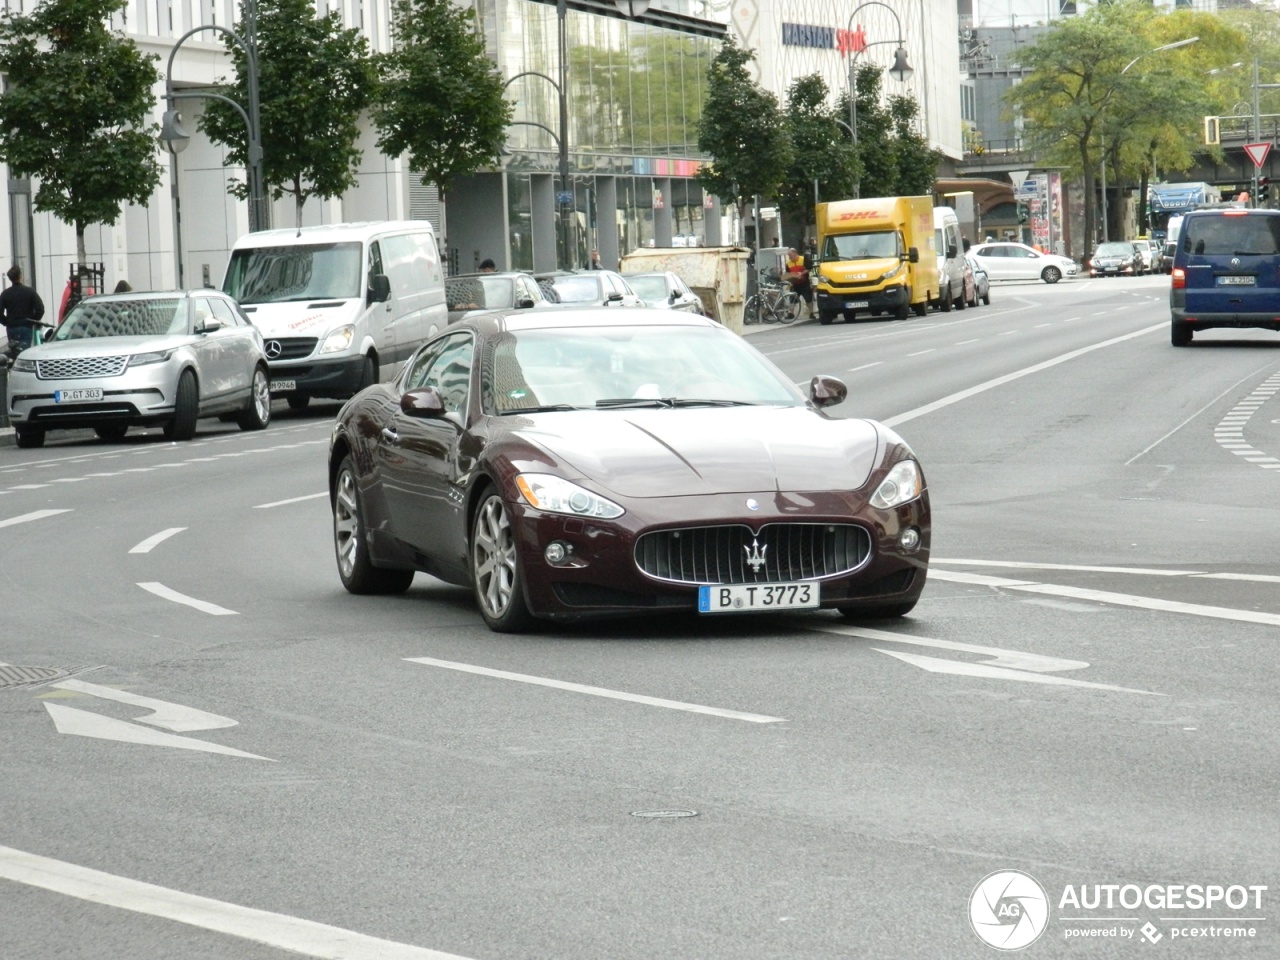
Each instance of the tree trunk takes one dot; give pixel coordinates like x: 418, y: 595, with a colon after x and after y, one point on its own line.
x: 1090, y: 222
x: 80, y: 254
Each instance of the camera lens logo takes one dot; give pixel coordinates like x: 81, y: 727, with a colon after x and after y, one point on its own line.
x: 1008, y: 910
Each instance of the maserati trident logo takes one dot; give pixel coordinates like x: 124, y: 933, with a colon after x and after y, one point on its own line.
x: 755, y: 555
x: 272, y: 349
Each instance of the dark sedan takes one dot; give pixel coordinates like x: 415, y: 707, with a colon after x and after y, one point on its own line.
x: 567, y: 463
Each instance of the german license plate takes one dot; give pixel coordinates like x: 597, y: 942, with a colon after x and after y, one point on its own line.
x: 280, y: 386
x: 748, y: 597
x: 1237, y: 281
x: 856, y: 304
x: 84, y: 395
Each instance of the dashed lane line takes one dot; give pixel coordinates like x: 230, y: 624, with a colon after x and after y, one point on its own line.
x: 282, y: 503
x: 1088, y: 568
x: 160, y: 590
x: 28, y: 517
x: 149, y: 544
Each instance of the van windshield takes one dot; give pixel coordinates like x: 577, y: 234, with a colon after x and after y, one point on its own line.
x: 862, y: 246
x: 1238, y: 235
x: 313, y: 271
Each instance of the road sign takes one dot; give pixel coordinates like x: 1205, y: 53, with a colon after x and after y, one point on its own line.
x: 564, y: 197
x: 1257, y: 153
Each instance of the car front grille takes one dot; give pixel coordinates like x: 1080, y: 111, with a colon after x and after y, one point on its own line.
x: 780, y: 552
x: 289, y: 348
x: 74, y: 368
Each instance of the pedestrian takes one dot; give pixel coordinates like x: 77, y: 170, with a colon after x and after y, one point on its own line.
x: 123, y: 287
x: 595, y: 260
x: 798, y: 276
x: 21, y: 309
x: 488, y: 266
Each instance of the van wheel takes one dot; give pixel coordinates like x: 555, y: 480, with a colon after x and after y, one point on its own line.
x: 1180, y: 334
x: 944, y: 299
x: 298, y: 401
x: 1051, y: 275
x: 369, y: 375
x: 986, y: 298
x: 961, y: 302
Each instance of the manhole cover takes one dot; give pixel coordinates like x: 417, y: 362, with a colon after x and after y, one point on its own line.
x: 11, y: 676
x: 664, y: 814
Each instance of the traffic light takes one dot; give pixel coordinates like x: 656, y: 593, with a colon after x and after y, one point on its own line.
x: 1264, y: 189
x: 1024, y: 214
x: 1211, y: 131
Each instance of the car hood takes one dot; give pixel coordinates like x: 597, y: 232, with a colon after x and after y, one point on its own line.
x: 106, y: 346
x: 702, y: 450
x: 303, y: 318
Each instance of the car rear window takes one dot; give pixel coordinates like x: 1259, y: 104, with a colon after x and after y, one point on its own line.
x: 1239, y: 235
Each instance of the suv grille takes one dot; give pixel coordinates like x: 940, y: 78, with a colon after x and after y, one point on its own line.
x: 722, y: 554
x: 77, y: 367
x: 290, y: 348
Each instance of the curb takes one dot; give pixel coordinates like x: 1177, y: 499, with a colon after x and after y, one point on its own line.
x: 7, y: 437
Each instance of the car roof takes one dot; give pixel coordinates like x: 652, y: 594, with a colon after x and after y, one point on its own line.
x: 490, y: 273
x: 157, y: 295
x: 331, y: 233
x: 497, y: 321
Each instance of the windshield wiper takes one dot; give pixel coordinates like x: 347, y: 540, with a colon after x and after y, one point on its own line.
x: 626, y: 402
x: 547, y: 408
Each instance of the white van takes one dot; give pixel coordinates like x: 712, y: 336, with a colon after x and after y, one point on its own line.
x: 340, y: 307
x: 947, y: 242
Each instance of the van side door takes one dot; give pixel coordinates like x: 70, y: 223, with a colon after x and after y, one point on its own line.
x: 380, y: 316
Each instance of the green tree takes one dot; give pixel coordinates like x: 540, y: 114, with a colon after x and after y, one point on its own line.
x: 74, y: 114
x: 314, y: 78
x: 440, y: 97
x: 877, y: 153
x: 743, y: 131
x: 916, y: 162
x: 822, y: 153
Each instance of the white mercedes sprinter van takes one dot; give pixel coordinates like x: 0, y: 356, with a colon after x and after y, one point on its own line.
x: 950, y: 247
x: 340, y: 307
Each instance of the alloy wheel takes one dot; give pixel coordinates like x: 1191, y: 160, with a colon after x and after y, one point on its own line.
x: 493, y: 558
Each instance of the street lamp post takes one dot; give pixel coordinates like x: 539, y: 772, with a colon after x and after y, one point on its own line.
x: 901, y: 70
x: 1102, y: 135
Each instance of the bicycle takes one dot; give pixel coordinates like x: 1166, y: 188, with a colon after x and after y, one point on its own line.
x: 775, y: 303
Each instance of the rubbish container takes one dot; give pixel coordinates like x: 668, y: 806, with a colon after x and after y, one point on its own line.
x: 717, y: 274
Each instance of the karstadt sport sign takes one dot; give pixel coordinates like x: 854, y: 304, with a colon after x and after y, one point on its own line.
x: 824, y: 38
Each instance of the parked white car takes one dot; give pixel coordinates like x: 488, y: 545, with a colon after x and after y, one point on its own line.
x: 142, y: 359
x: 1007, y: 260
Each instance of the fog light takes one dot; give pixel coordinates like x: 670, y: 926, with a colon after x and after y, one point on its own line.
x: 910, y: 539
x: 557, y: 552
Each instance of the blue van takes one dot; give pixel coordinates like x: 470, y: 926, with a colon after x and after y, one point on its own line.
x: 1226, y: 272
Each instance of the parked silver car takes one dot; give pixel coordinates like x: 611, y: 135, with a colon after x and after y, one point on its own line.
x: 665, y: 291
x: 601, y: 288
x: 142, y: 359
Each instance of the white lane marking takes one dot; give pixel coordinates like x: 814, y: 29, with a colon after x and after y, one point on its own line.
x: 28, y: 517
x: 1039, y: 325
x: 171, y: 716
x: 29, y: 486
x: 1070, y: 319
x: 959, y: 668
x: 1006, y: 333
x: 160, y: 590
x: 963, y: 342
x: 1229, y: 433
x: 84, y: 723
x: 1019, y: 565
x: 596, y: 691
x: 281, y: 503
x: 305, y: 937
x: 864, y: 366
x: 147, y: 545
x: 1254, y: 577
x: 1119, y: 599
x: 921, y: 353
x: 1017, y: 374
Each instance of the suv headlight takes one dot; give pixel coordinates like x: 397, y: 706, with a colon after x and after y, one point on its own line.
x: 557, y: 495
x: 23, y: 366
x: 901, y: 484
x: 339, y: 339
x: 142, y: 359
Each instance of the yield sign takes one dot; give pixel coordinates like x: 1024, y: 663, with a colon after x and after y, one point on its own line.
x: 1257, y: 153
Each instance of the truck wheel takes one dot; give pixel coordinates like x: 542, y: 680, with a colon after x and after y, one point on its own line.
x: 921, y: 308
x: 825, y: 317
x: 902, y: 311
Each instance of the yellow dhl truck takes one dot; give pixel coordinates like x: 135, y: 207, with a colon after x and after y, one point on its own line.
x: 875, y: 256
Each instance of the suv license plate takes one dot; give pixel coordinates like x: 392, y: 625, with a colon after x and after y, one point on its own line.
x: 856, y: 304
x: 86, y: 395
x: 1235, y: 281
x: 280, y: 386
x: 749, y: 597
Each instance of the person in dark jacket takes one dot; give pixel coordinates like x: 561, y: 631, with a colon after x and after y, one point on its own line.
x: 20, y: 309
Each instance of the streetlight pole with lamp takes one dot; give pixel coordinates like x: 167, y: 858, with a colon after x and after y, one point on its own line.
x: 1102, y: 136
x: 900, y: 70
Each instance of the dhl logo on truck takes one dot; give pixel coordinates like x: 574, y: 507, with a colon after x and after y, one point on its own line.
x: 862, y: 215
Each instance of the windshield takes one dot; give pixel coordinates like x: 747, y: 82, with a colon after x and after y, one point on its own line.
x: 313, y: 271
x: 862, y: 246
x: 582, y: 367
x: 150, y: 317
x: 649, y: 287
x: 1114, y: 250
x: 583, y: 289
x: 479, y: 293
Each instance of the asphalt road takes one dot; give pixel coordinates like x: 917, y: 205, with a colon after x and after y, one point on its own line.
x: 238, y: 759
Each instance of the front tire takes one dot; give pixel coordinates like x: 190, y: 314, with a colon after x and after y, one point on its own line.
x: 298, y: 401
x: 495, y: 568
x: 986, y: 298
x: 369, y: 375
x: 1051, y: 275
x: 29, y: 438
x: 186, y: 409
x: 945, y: 299
x: 257, y: 413
x: 111, y: 431
x: 1180, y: 334
x: 350, y: 546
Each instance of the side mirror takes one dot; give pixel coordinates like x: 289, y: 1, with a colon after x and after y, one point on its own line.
x: 379, y: 288
x: 613, y: 298
x: 913, y: 255
x: 951, y: 251
x: 673, y: 298
x: 209, y: 326
x: 827, y: 391
x: 524, y: 303
x: 422, y: 402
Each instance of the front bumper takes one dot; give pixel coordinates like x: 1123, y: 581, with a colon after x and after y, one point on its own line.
x: 337, y: 378
x: 141, y: 396
x: 839, y: 301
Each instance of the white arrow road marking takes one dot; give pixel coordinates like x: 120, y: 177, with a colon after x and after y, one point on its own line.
x: 83, y: 723
x: 28, y: 517
x: 160, y: 590
x: 1002, y: 665
x: 281, y: 503
x: 171, y: 716
x: 938, y: 665
x: 304, y: 937
x: 147, y: 545
x: 596, y: 691
x: 1104, y: 596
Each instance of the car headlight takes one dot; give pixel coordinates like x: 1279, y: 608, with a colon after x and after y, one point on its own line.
x: 23, y: 366
x: 142, y: 359
x: 894, y: 272
x: 338, y: 340
x: 557, y: 495
x: 901, y: 484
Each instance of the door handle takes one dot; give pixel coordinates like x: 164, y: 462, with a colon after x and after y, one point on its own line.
x: 390, y: 435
